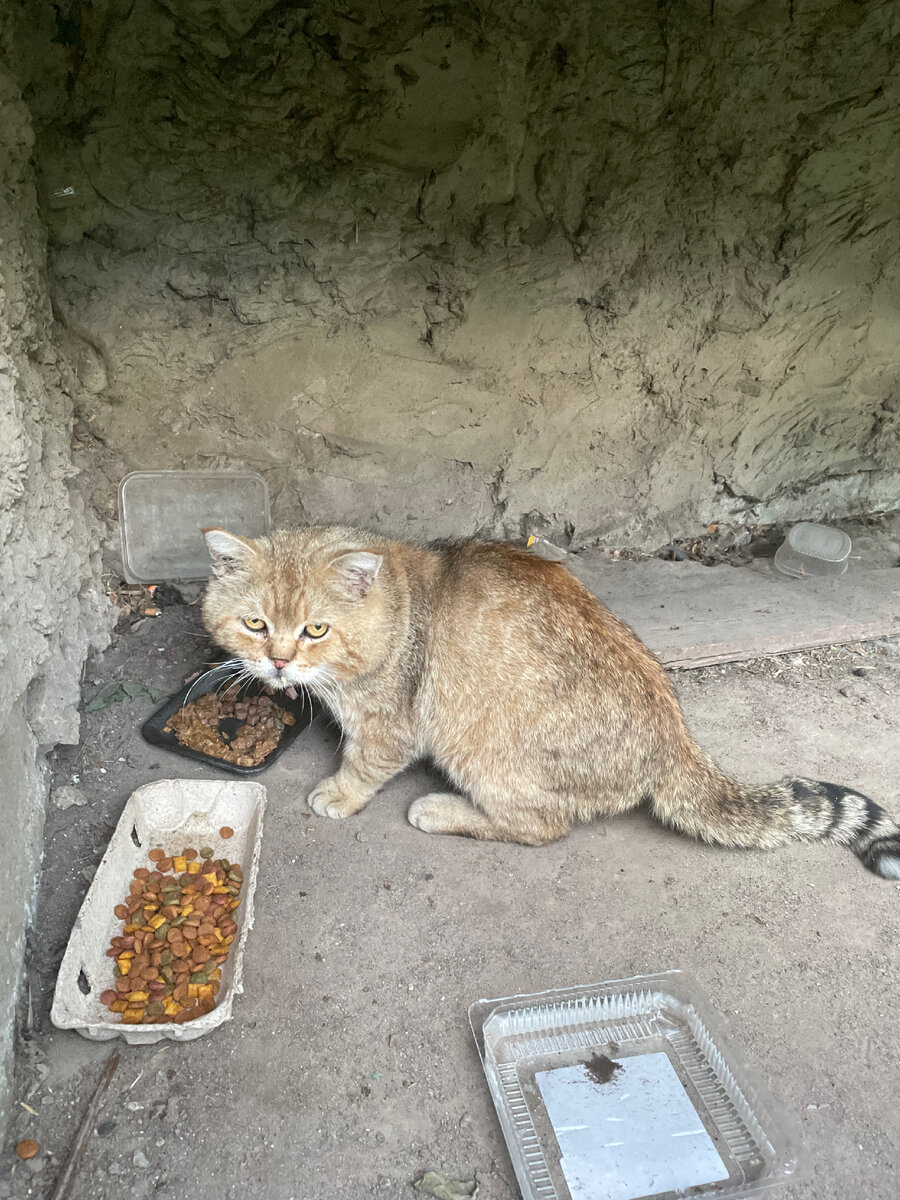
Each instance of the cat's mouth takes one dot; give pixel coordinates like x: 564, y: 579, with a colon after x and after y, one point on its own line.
x: 277, y: 681
x: 283, y: 685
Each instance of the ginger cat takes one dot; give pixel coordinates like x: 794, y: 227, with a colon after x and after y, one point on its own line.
x: 539, y: 705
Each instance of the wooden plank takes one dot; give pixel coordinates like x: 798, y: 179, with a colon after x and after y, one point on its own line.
x: 693, y: 616
x: 684, y: 657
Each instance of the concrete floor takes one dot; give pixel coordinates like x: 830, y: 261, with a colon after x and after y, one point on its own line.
x: 349, y: 1068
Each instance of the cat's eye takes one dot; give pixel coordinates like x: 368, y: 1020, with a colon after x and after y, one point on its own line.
x: 257, y: 624
x: 316, y: 630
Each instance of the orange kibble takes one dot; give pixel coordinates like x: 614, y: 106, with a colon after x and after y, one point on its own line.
x: 153, y: 975
x: 226, y: 832
x: 27, y: 1148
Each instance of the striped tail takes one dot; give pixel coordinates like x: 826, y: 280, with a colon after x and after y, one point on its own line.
x: 847, y: 817
x: 700, y: 800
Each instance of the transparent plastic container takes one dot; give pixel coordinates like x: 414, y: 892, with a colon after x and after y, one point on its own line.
x: 628, y: 1090
x: 162, y: 515
x: 812, y: 549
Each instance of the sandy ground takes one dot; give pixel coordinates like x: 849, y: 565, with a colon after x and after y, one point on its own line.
x: 349, y: 1068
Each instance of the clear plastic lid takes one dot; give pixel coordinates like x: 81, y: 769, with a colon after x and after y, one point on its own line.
x: 162, y: 515
x: 811, y: 549
x: 628, y: 1090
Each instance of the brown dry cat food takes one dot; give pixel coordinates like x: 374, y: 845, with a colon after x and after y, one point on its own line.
x: 177, y: 933
x: 196, y: 725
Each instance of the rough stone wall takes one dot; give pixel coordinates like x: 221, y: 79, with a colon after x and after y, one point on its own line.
x: 606, y: 268
x: 48, y: 604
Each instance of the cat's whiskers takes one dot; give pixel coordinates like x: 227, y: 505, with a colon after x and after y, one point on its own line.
x: 226, y: 683
x: 245, y: 679
x: 242, y: 679
x: 230, y: 664
x: 331, y: 692
x: 306, y: 696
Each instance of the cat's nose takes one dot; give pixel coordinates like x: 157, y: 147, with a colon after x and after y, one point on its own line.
x: 280, y: 663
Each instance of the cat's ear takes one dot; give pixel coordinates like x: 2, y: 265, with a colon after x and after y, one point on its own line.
x: 356, y: 571
x: 228, y: 551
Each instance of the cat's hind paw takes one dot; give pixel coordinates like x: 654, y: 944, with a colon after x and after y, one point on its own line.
x: 443, y: 812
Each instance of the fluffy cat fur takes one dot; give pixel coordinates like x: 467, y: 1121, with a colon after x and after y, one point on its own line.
x: 539, y: 705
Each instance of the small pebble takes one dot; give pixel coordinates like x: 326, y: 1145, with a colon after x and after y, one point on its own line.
x: 140, y: 1160
x: 66, y: 797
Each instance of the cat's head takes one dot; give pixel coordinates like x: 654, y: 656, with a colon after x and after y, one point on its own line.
x: 298, y: 607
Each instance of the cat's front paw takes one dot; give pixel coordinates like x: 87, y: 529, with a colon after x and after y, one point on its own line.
x: 329, y: 799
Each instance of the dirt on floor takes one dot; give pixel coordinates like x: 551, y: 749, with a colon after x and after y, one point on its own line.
x: 349, y: 1068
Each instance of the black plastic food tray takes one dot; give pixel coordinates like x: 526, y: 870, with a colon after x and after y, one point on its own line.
x: 152, y: 729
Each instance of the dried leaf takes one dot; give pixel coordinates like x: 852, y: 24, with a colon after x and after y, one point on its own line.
x: 436, y: 1185
x: 128, y: 689
x: 109, y: 696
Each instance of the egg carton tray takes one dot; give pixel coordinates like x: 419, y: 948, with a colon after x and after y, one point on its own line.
x: 172, y: 814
